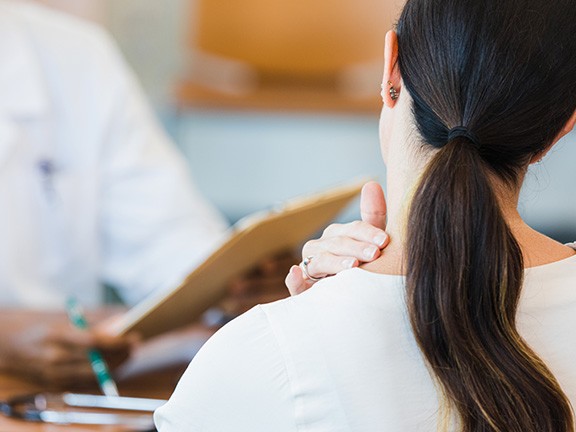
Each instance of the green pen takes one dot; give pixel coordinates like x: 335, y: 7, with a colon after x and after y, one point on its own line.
x: 99, y: 366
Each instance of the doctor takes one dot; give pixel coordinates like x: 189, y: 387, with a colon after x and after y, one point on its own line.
x: 91, y: 190
x: 91, y: 193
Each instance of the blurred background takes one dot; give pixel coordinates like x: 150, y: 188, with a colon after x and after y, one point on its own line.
x: 268, y: 100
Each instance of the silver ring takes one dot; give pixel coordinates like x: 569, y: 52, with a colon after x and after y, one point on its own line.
x: 304, y: 267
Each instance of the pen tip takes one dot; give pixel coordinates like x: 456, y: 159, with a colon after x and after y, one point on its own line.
x: 109, y: 389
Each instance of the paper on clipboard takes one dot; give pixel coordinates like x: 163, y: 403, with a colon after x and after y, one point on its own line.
x: 252, y: 239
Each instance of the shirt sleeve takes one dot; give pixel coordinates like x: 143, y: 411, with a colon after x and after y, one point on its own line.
x: 154, y: 225
x: 237, y: 382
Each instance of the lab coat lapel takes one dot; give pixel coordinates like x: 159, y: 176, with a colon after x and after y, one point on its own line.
x: 8, y: 138
x: 22, y: 90
x: 23, y: 96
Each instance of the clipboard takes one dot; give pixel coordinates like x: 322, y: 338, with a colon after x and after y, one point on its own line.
x: 249, y: 241
x: 86, y: 409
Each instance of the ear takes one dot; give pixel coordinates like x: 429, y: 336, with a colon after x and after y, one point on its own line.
x: 391, y: 76
x: 568, y: 127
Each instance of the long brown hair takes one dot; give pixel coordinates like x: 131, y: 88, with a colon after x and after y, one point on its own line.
x: 504, y: 72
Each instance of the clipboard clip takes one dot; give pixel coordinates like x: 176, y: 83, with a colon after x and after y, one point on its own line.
x: 76, y: 408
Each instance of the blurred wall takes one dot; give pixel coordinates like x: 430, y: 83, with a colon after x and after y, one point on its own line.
x: 151, y: 34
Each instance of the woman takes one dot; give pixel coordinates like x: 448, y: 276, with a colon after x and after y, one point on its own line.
x: 467, y: 322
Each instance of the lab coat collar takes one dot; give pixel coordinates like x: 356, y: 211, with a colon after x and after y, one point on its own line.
x: 22, y: 89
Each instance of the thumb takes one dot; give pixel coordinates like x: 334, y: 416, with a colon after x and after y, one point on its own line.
x: 373, y: 205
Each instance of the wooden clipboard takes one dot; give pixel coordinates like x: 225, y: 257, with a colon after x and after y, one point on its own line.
x: 249, y: 241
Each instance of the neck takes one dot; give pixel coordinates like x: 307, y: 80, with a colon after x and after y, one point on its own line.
x: 401, y: 183
x: 406, y: 162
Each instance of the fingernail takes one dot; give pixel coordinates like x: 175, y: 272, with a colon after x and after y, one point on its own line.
x: 380, y: 239
x: 370, y: 252
x: 349, y: 263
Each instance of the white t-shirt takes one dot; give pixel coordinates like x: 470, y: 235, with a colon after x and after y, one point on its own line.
x: 342, y: 357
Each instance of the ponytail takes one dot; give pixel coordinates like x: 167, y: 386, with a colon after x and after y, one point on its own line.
x: 464, y: 277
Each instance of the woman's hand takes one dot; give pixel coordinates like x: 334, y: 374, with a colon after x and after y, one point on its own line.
x: 340, y: 247
x: 263, y: 284
x: 46, y: 348
x: 343, y: 246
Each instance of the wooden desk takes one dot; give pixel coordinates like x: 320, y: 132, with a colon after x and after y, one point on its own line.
x: 153, y: 372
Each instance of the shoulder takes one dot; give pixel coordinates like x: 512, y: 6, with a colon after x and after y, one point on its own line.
x: 316, y: 314
x: 286, y: 362
x: 249, y: 334
x: 47, y: 25
x: 238, y: 379
x: 550, y: 286
x: 71, y: 53
x: 350, y: 289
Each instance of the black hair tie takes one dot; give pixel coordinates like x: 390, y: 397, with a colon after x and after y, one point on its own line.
x: 462, y: 131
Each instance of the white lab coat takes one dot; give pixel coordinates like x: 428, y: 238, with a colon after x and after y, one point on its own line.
x: 91, y: 190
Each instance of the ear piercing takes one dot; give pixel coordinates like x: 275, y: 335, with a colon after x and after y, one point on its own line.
x: 394, y: 94
x: 393, y: 91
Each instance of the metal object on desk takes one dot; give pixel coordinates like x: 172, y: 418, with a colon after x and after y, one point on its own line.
x: 75, y: 408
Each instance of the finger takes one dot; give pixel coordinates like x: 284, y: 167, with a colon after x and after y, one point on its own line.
x: 104, y: 336
x: 109, y: 327
x: 70, y: 336
x: 46, y: 356
x: 373, y: 205
x: 58, y: 355
x: 344, y: 247
x: 57, y: 358
x: 296, y: 282
x: 357, y: 230
x: 112, y: 344
x: 81, y: 340
x: 327, y: 264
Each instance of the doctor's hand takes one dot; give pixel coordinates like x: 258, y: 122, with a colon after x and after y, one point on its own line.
x: 44, y: 347
x: 343, y: 246
x: 263, y: 284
